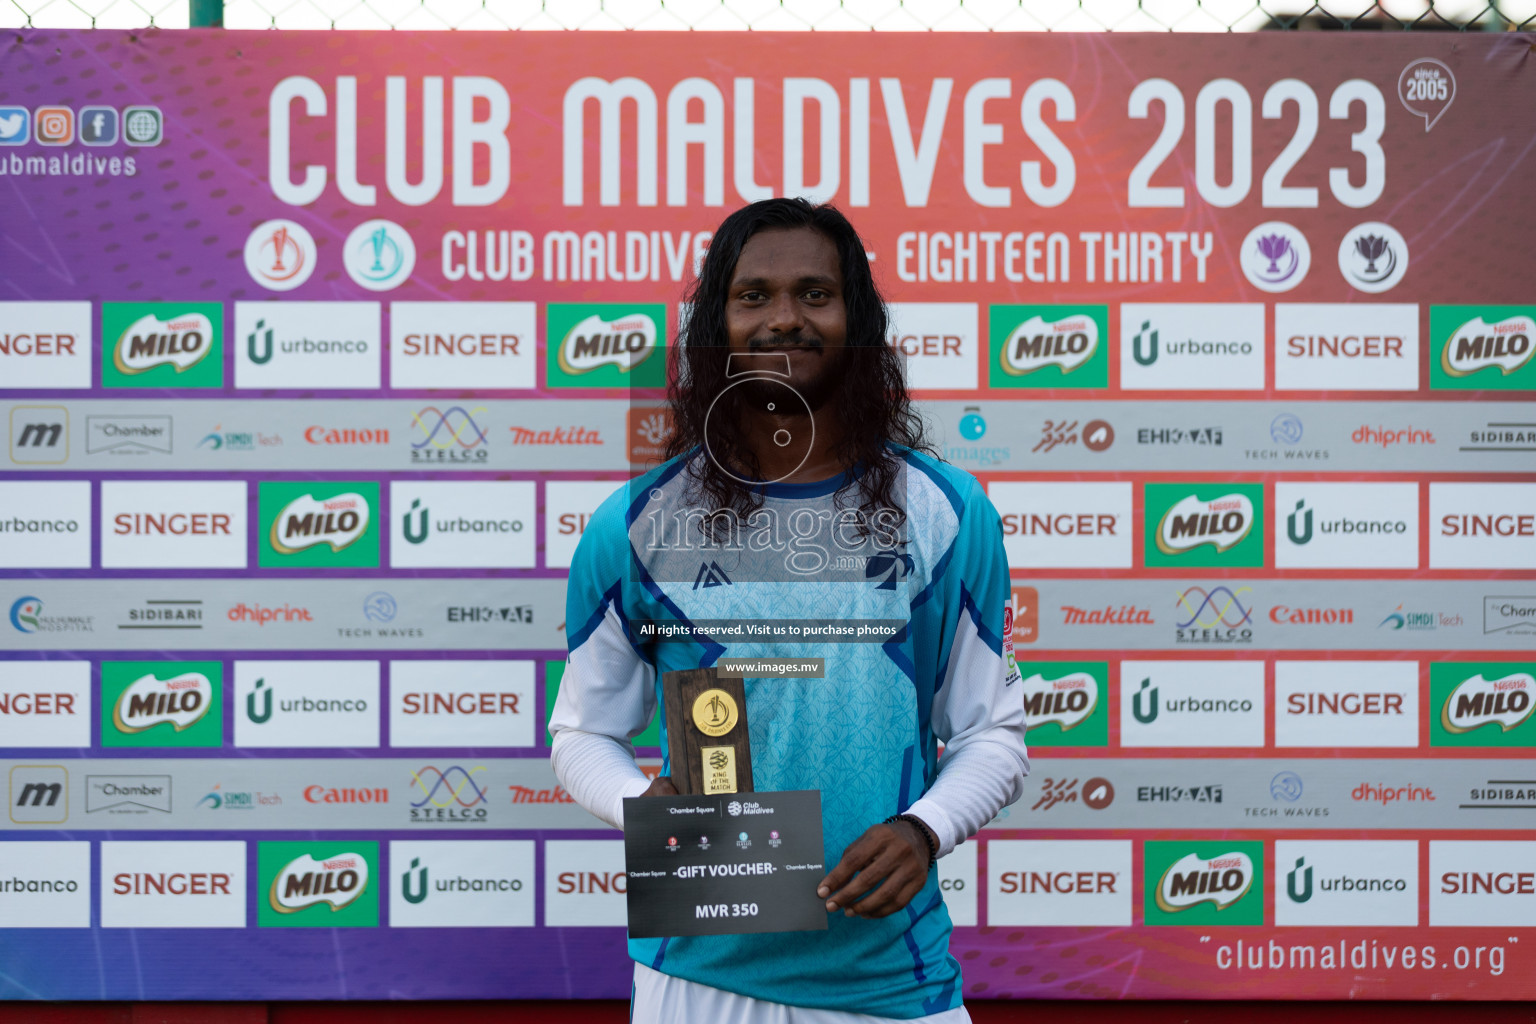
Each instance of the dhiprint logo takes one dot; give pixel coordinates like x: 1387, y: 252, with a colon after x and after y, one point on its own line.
x: 1347, y: 883
x: 1049, y: 346
x: 449, y: 435
x: 462, y: 345
x: 162, y: 704
x: 606, y: 345
x: 1333, y: 704
x: 331, y: 704
x: 162, y: 344
x: 45, y: 344
x: 1059, y: 882
x: 319, y: 524
x: 379, y: 255
x: 456, y: 884
x: 1215, y: 616
x: 1483, y: 347
x: 471, y: 524
x: 39, y: 435
x: 309, y: 345
x: 1204, y: 883
x: 1373, y: 257
x: 1192, y: 704
x: 1063, y: 703
x: 1192, y: 347
x: 317, y: 885
x: 1352, y: 346
x: 448, y: 795
x: 1348, y: 526
x: 936, y: 342
x: 280, y: 255
x: 1275, y: 257
x: 1204, y: 525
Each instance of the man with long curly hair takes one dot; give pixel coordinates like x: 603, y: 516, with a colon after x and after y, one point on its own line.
x: 799, y: 487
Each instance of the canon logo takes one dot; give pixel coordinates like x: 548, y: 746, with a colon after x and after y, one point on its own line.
x: 1286, y: 615
x: 329, y: 435
x: 345, y: 795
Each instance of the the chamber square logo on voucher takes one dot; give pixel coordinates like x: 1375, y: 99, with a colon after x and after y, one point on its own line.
x: 1203, y: 884
x: 317, y: 885
x: 162, y: 704
x: 310, y: 345
x: 1482, y: 348
x: 606, y: 345
x: 162, y: 344
x: 1482, y: 704
x: 1204, y: 525
x: 1065, y: 702
x: 1192, y: 347
x: 317, y: 524
x: 1048, y: 346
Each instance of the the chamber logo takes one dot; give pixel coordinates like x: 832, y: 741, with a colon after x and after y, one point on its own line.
x: 1191, y: 880
x: 1506, y: 701
x: 180, y: 701
x: 336, y: 881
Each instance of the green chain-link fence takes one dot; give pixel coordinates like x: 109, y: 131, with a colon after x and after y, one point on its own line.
x: 784, y: 15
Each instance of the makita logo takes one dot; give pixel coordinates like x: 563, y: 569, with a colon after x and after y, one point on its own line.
x: 1124, y: 615
x: 1478, y: 345
x: 559, y: 436
x: 147, y: 702
x: 1192, y: 522
x: 1193, y: 880
x: 306, y: 882
x: 594, y: 342
x: 149, y: 342
x: 1068, y: 343
x: 306, y: 522
x: 1477, y: 702
x: 1068, y: 701
x: 525, y: 795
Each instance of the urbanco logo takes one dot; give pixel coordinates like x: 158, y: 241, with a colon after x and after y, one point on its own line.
x: 1192, y: 703
x: 1204, y: 524
x: 317, y: 885
x: 1347, y: 883
x: 462, y: 524
x: 45, y: 524
x: 309, y: 345
x: 1347, y: 526
x: 1482, y: 348
x: 48, y: 884
x: 162, y: 344
x: 1048, y: 346
x: 322, y: 703
x: 461, y: 884
x: 606, y: 345
x: 1204, y: 884
x: 1064, y: 703
x: 318, y: 524
x: 162, y: 704
x: 1191, y: 347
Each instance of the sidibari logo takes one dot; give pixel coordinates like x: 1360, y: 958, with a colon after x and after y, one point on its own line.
x: 1223, y: 522
x: 1478, y: 345
x: 1476, y: 702
x: 1193, y: 880
x: 1068, y: 701
x: 149, y: 342
x: 624, y: 342
x: 304, y: 882
x: 147, y: 702
x: 1067, y: 342
x: 338, y: 521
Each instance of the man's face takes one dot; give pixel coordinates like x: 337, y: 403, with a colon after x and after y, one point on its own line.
x: 786, y: 296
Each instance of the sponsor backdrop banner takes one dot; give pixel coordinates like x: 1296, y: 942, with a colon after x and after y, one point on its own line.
x: 317, y: 352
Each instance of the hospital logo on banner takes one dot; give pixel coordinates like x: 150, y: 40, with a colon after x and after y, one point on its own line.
x: 1203, y: 884
x: 162, y: 345
x: 1048, y: 346
x: 317, y: 885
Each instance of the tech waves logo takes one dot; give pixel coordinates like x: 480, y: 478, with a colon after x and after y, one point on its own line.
x: 1063, y: 703
x: 449, y: 435
x: 1478, y: 702
x: 606, y: 345
x: 161, y: 344
x: 1071, y: 339
x: 180, y: 701
x: 448, y: 794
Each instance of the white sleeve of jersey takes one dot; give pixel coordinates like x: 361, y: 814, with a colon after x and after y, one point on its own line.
x: 607, y: 697
x: 979, y: 718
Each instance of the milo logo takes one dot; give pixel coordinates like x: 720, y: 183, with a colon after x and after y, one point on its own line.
x: 1192, y: 880
x: 1506, y: 702
x: 304, y: 882
x: 1068, y: 343
x: 180, y: 342
x: 149, y: 701
x: 306, y: 522
x: 1193, y: 521
x: 624, y: 343
x: 1478, y: 345
x: 1069, y: 701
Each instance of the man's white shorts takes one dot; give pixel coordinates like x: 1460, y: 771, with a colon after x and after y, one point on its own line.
x: 662, y: 999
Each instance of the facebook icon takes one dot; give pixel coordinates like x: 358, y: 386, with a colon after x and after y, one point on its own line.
x: 98, y: 126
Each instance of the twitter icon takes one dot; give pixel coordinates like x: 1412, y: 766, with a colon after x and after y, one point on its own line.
x: 15, y: 126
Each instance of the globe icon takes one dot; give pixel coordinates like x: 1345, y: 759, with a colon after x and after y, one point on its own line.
x: 142, y: 126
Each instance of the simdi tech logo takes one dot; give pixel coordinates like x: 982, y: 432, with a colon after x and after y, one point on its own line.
x: 1048, y: 346
x: 162, y: 704
x: 315, y: 524
x: 1065, y: 702
x: 1482, y: 348
x: 606, y: 345
x: 1203, y: 884
x: 162, y: 344
x: 1204, y: 524
x: 317, y: 885
x: 1482, y: 704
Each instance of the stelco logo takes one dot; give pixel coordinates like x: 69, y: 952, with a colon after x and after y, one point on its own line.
x: 147, y: 702
x: 304, y: 523
x: 305, y: 882
x: 1477, y: 345
x: 149, y: 342
x: 1068, y: 343
x: 1477, y: 702
x: 1192, y: 522
x: 1069, y: 701
x: 594, y: 342
x: 1192, y: 880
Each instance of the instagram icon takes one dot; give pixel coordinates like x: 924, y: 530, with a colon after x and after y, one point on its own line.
x: 55, y: 125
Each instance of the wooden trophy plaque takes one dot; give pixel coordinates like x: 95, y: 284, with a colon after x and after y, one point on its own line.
x: 707, y: 738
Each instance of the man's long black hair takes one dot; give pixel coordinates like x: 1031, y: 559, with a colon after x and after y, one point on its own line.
x: 870, y: 401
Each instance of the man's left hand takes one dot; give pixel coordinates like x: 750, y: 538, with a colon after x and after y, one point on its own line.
x: 879, y: 873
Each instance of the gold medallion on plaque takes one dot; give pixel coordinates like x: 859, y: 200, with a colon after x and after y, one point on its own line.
x: 715, y: 712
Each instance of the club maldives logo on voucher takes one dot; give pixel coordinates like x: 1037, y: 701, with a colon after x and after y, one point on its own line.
x: 1065, y: 703
x: 1048, y: 346
x: 606, y: 345
x: 162, y: 345
x: 318, y: 525
x: 1203, y: 884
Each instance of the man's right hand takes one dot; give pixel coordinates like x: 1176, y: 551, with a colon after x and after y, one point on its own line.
x: 661, y: 786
